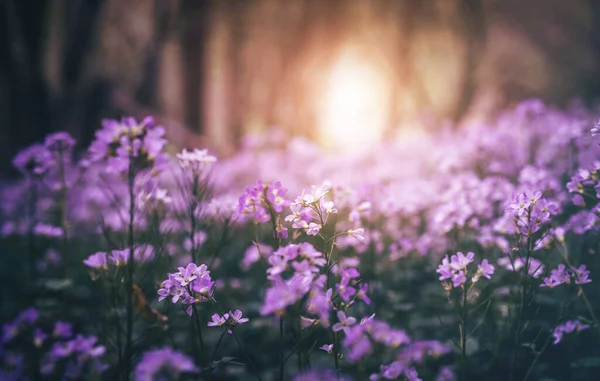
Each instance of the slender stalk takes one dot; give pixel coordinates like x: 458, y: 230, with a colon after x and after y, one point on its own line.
x: 130, y: 274
x: 213, y: 357
x: 536, y: 358
x: 248, y: 358
x: 463, y: 336
x: 209, y: 369
x: 329, y: 254
x: 539, y: 353
x: 281, y: 351
x: 255, y: 369
x: 336, y: 356
x: 523, y: 299
x: 199, y: 355
x: 118, y: 325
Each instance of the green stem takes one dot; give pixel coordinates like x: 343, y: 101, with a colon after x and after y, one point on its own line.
x: 522, y: 301
x: 214, y: 355
x: 247, y: 356
x: 130, y: 274
x: 336, y: 339
x: 463, y: 336
x: 281, y: 350
x: 199, y: 354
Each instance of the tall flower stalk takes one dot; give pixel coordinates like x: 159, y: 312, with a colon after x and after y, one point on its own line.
x: 530, y: 213
x: 129, y: 280
x: 131, y: 149
x: 459, y: 280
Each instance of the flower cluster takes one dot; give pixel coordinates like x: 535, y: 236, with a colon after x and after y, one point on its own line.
x: 128, y: 143
x: 567, y: 327
x: 24, y: 320
x: 191, y: 284
x: 535, y: 268
x: 45, y: 230
x: 154, y: 197
x: 39, y: 159
x: 262, y: 201
x: 311, y: 210
x: 100, y: 261
x: 294, y: 272
x: 455, y: 269
x: 414, y: 354
x: 562, y: 275
x: 395, y: 370
x: 195, y: 160
x: 479, y: 196
x: 164, y: 362
x: 360, y: 338
x: 585, y: 182
x: 34, y: 160
x: 530, y: 211
x: 68, y: 359
x: 78, y: 354
x: 346, y: 290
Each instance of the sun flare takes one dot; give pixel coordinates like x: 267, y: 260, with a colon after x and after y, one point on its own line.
x: 355, y: 108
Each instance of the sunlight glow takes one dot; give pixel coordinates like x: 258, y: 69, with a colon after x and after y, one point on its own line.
x: 356, y: 105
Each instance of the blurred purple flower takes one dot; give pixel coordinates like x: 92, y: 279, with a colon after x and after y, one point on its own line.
x: 567, y: 327
x: 157, y: 362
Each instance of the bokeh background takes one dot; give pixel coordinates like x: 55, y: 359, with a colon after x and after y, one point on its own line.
x: 347, y: 73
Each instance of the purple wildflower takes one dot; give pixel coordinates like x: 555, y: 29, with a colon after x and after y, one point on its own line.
x: 344, y: 322
x: 97, y: 261
x: 28, y: 316
x: 580, y: 274
x: 163, y: 361
x: 327, y: 348
x: 39, y: 337
x: 445, y: 269
x: 218, y: 321
x: 357, y: 233
x: 362, y: 293
x: 62, y: 330
x: 78, y: 354
x: 484, y: 269
x: 568, y: 327
x: 345, y: 290
x: 459, y: 279
x: 235, y: 318
x: 562, y: 275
